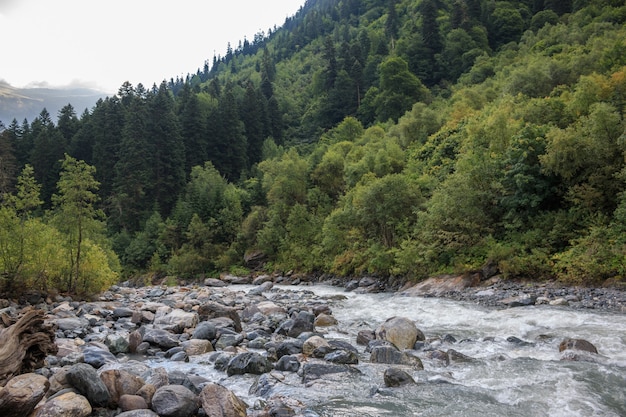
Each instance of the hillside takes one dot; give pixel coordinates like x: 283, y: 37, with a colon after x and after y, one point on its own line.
x: 27, y: 103
x: 395, y: 138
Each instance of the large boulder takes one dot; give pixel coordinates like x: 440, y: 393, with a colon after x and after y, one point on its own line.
x: 161, y: 338
x: 98, y: 356
x: 577, y: 344
x: 400, y: 331
x: 120, y: 382
x: 175, y: 401
x: 301, y: 323
x: 392, y: 356
x: 395, y: 377
x: 21, y: 394
x: 195, y: 347
x: 312, y: 343
x: 138, y: 413
x: 176, y: 320
x: 85, y: 380
x: 218, y: 401
x: 68, y: 404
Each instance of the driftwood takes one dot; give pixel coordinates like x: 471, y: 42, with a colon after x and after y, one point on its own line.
x: 25, y: 344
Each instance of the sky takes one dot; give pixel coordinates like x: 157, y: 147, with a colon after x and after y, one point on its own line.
x: 103, y: 43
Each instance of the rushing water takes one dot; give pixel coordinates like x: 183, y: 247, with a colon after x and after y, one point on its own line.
x: 504, y: 379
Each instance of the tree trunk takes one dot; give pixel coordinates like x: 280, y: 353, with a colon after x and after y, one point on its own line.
x: 25, y: 344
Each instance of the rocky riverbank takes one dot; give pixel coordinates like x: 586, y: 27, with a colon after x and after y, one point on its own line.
x: 113, y: 353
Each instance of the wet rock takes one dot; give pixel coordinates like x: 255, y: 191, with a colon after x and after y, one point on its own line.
x: 120, y: 382
x: 341, y: 345
x: 301, y: 323
x: 288, y: 363
x: 313, y: 371
x: 365, y: 336
x: 395, y: 377
x: 439, y: 356
x: 180, y: 357
x: 214, y: 282
x: 218, y: 401
x: 138, y: 413
x: 72, y: 324
x: 324, y: 320
x: 456, y: 356
x: 289, y: 347
x: 248, y: 363
x: 559, y: 302
x: 85, y: 380
x: 177, y: 320
x: 269, y: 307
x: 577, y: 344
x: 313, y: 343
x: 519, y: 301
x: 68, y: 404
x: 437, y: 286
x: 21, y: 394
x: 264, y: 287
x: 400, y: 331
x: 517, y: 341
x: 174, y: 401
x: 147, y: 392
x: 342, y: 356
x: 117, y: 343
x: 392, y: 356
x: 121, y: 312
x: 161, y: 338
x: 158, y: 377
x: 228, y: 340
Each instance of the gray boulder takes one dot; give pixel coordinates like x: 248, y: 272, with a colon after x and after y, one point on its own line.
x: 21, y: 394
x: 395, y: 377
x: 85, y: 380
x: 248, y: 363
x: 218, y: 401
x: 175, y: 401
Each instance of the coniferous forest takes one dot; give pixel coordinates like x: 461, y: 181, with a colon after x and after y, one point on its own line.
x: 386, y: 137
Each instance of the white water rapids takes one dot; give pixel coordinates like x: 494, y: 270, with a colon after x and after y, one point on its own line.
x: 504, y: 379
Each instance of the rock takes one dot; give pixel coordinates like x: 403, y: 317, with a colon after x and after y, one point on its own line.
x: 147, y: 392
x: 68, y: 404
x: 132, y: 402
x: 218, y: 401
x: 204, y: 330
x: 342, y: 356
x: 395, y: 377
x: 456, y: 356
x: 288, y: 363
x: 121, y: 312
x: 85, y: 380
x: 302, y: 322
x: 195, y: 347
x: 400, y: 331
x: 313, y: 371
x: 365, y: 336
x: 248, y: 363
x: 269, y: 307
x: 261, y: 279
x: 97, y: 357
x: 212, y: 309
x: 214, y: 282
x: 518, y: 341
x: 437, y: 286
x: 161, y: 338
x: 117, y: 343
x: 391, y: 355
x: 559, y: 302
x: 440, y: 356
x: 325, y: 320
x: 266, y: 286
x: 21, y: 394
x: 138, y: 413
x: 134, y: 340
x: 577, y: 344
x: 313, y: 343
x: 228, y: 340
x: 519, y: 301
x: 71, y: 324
x: 175, y: 401
x: 120, y: 382
x: 177, y: 320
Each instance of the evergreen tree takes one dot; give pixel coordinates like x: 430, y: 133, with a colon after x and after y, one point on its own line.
x: 47, y: 152
x: 8, y: 163
x: 193, y: 129
x: 67, y: 123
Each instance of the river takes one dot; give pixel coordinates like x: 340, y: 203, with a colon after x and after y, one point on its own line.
x: 524, y: 377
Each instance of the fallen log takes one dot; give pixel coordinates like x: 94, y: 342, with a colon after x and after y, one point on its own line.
x: 25, y: 344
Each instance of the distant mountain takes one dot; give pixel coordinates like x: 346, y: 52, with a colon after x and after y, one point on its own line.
x: 20, y: 103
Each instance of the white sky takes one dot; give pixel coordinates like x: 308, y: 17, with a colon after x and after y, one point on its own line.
x: 102, y: 43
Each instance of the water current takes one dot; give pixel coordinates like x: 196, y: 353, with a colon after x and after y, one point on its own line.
x: 523, y: 378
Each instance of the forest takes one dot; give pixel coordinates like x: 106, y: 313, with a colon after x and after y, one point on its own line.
x: 377, y: 137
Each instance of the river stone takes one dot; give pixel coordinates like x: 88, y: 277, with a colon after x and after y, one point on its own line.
x: 395, y: 377
x: 174, y: 401
x: 179, y: 357
x: 315, y: 370
x: 21, y: 394
x: 289, y: 347
x: 269, y: 307
x: 196, y: 347
x: 117, y: 343
x: 215, y: 283
x: 391, y: 355
x: 212, y: 310
x: 228, y: 340
x: 120, y: 312
x: 147, y: 392
x: 313, y: 343
x: 266, y: 286
x: 71, y: 323
x: 205, y: 331
x: 364, y: 337
x: 302, y: 322
x: 120, y: 382
x: 325, y: 320
x: 138, y: 413
x: 400, y: 331
x: 177, y: 320
x: 342, y: 356
x: 577, y: 344
x: 132, y: 402
x: 456, y: 356
x: 161, y: 338
x: 218, y: 401
x: 68, y: 404
x: 288, y: 363
x: 85, y: 379
x: 248, y: 363
x: 439, y: 355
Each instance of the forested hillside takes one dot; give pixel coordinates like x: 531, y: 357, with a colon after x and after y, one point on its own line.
x: 387, y: 137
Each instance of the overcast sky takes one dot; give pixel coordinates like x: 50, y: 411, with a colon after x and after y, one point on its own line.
x: 102, y: 43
